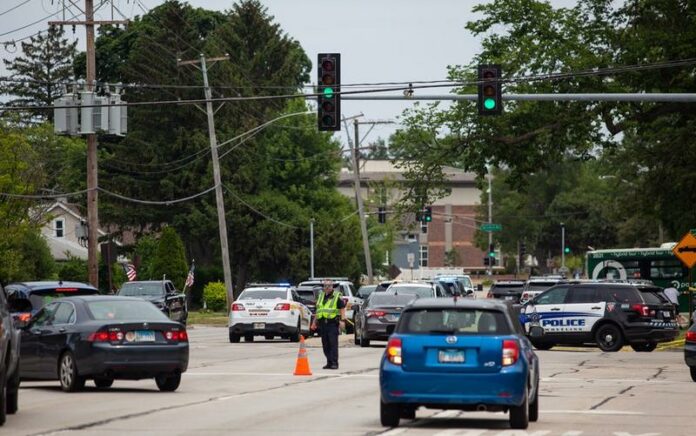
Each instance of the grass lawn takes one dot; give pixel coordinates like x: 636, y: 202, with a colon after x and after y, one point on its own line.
x: 207, y: 318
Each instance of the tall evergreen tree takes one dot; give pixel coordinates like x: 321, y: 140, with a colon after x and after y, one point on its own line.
x: 46, y: 62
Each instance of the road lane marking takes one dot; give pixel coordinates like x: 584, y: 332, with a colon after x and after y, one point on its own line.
x: 279, y: 374
x: 592, y: 412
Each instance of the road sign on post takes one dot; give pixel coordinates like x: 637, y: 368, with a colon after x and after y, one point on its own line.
x: 488, y: 227
x: 685, y: 251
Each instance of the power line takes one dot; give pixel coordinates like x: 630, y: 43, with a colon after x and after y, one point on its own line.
x: 14, y: 7
x: 258, y: 212
x: 156, y: 203
x: 30, y: 24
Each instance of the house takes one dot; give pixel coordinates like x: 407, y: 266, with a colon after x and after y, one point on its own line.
x: 448, y: 240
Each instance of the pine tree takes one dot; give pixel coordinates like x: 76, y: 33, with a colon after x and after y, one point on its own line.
x: 170, y: 259
x: 35, y: 78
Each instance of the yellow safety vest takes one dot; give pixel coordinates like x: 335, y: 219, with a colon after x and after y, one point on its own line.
x: 327, y: 309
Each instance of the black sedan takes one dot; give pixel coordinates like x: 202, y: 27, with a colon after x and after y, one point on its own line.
x: 103, y: 338
x: 377, y: 314
x: 690, y: 350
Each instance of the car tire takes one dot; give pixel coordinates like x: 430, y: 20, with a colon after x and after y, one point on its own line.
x: 295, y: 337
x: 364, y: 342
x: 68, y: 375
x: 103, y: 382
x: 168, y: 382
x: 534, y: 406
x: 356, y: 339
x: 543, y: 346
x: 519, y: 415
x: 12, y: 395
x: 248, y: 338
x: 693, y: 372
x: 389, y: 414
x: 234, y: 339
x: 3, y: 396
x: 609, y: 338
x: 408, y: 413
x: 644, y: 347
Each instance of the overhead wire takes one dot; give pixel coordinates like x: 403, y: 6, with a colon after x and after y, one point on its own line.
x: 14, y: 7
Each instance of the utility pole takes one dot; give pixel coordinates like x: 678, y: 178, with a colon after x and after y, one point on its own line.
x: 361, y: 209
x: 222, y: 221
x: 92, y: 172
x: 311, y: 248
x: 490, y: 217
x: 562, y: 247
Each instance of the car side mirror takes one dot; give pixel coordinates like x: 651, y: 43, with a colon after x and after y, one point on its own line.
x: 479, y: 287
x: 536, y: 331
x: 390, y: 329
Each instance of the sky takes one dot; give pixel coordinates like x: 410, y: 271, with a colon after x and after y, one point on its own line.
x: 379, y: 40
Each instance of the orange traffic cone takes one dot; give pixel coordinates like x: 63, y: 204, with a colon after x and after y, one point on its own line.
x: 302, y: 365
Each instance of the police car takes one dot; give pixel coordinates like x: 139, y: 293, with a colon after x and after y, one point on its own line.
x: 609, y: 315
x: 268, y: 311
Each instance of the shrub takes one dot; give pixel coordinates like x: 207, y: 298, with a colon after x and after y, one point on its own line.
x: 74, y: 270
x: 215, y: 296
x: 170, y: 259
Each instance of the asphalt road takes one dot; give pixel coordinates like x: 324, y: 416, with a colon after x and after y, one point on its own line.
x: 248, y: 388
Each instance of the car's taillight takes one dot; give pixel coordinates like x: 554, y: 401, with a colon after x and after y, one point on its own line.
x: 641, y: 309
x: 104, y: 336
x: 282, y: 306
x: 511, y: 352
x: 24, y: 316
x: 690, y: 336
x: 394, y: 351
x: 236, y: 307
x: 177, y: 336
x: 375, y: 313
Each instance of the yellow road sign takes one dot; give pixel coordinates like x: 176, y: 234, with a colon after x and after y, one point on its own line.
x: 685, y: 250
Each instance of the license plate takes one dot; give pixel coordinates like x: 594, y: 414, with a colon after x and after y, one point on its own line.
x: 510, y: 297
x: 450, y: 356
x: 144, y: 336
x: 666, y: 314
x: 259, y: 326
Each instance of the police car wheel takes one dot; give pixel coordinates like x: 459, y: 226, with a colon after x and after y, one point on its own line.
x: 693, y: 373
x: 609, y: 338
x: 543, y: 345
x: 644, y: 347
x: 248, y: 338
x: 234, y: 338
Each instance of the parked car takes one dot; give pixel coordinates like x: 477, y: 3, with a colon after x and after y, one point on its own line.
x: 420, y: 289
x: 162, y: 293
x: 508, y: 290
x: 536, y: 285
x: 690, y: 350
x: 103, y: 338
x: 609, y: 315
x: 308, y: 297
x: 464, y: 354
x: 9, y: 360
x: 373, y: 319
x: 463, y: 280
x: 26, y: 298
x: 365, y: 291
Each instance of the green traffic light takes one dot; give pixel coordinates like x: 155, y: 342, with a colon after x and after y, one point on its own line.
x: 491, y: 254
x: 328, y: 92
x: 489, y: 103
x: 567, y: 250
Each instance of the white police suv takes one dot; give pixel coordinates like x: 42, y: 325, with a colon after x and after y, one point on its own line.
x: 609, y: 315
x: 269, y: 311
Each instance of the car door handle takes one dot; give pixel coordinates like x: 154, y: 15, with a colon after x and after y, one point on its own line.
x: 61, y: 330
x: 555, y: 309
x: 595, y: 308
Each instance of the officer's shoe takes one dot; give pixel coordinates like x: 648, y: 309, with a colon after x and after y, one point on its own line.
x: 327, y: 366
x: 333, y: 367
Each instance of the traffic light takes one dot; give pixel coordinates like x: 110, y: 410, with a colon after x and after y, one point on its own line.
x: 486, y: 261
x: 567, y: 250
x: 428, y: 214
x: 491, y: 251
x: 329, y: 99
x: 382, y: 215
x: 523, y: 250
x: 490, y: 88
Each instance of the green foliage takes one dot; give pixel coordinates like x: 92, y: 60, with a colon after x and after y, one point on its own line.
x: 74, y: 269
x: 145, y: 252
x: 37, y: 261
x: 215, y: 296
x: 170, y: 258
x: 452, y: 258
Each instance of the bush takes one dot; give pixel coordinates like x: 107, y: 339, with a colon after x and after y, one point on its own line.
x: 170, y: 259
x: 74, y: 270
x: 215, y: 296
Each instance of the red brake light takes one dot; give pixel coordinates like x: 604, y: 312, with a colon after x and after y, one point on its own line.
x: 375, y: 313
x: 394, y: 351
x: 66, y: 289
x: 104, y: 336
x: 282, y: 306
x: 641, y: 309
x: 177, y: 336
x: 690, y: 336
x: 236, y: 307
x: 24, y: 317
x: 511, y: 352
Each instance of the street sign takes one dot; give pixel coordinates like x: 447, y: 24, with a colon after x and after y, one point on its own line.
x: 685, y: 250
x: 487, y: 227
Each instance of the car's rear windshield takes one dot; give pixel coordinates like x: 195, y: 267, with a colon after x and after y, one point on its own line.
x: 421, y: 291
x: 141, y: 290
x: 115, y: 310
x: 454, y: 322
x: 508, y: 286
x: 307, y: 294
x: 540, y: 286
x: 257, y: 294
x: 41, y: 298
x: 384, y: 300
x: 653, y: 296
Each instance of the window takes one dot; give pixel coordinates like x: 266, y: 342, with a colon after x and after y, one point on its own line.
x: 424, y: 255
x: 621, y: 295
x: 59, y: 227
x: 583, y: 295
x: 552, y: 296
x: 424, y: 227
x: 45, y: 316
x: 65, y: 314
x: 454, y: 321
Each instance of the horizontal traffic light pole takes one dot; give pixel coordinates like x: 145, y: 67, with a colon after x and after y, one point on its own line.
x: 617, y: 97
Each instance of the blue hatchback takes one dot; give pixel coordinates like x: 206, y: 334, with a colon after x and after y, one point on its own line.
x: 462, y: 354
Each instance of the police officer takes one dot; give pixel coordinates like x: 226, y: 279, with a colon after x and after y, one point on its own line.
x: 330, y: 319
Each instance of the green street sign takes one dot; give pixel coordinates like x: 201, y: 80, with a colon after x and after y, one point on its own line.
x: 491, y: 227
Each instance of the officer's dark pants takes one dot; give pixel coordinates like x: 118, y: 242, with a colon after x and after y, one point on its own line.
x: 329, y: 340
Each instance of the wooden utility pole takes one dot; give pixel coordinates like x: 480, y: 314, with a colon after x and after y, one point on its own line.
x: 222, y: 221
x: 92, y: 172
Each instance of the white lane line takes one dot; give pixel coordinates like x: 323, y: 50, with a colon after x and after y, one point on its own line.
x: 278, y: 374
x: 393, y: 432
x: 592, y: 412
x: 607, y: 380
x: 461, y: 432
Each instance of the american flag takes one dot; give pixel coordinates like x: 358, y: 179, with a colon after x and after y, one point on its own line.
x: 189, y: 278
x: 130, y: 271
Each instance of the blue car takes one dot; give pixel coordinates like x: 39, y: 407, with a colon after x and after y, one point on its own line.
x: 462, y: 354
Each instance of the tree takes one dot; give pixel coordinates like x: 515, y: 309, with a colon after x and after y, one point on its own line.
x: 38, y: 75
x: 170, y: 259
x: 37, y: 262
x: 74, y: 269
